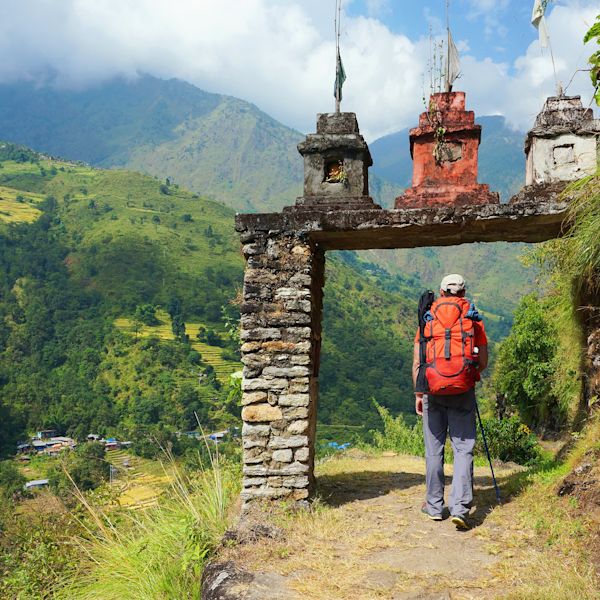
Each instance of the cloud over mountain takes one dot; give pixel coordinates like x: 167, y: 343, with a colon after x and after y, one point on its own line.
x: 277, y: 54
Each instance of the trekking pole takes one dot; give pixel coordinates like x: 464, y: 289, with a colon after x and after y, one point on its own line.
x: 487, y: 451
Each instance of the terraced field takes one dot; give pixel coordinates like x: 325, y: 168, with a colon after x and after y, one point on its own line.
x: 140, y: 481
x: 210, y: 354
x: 18, y: 207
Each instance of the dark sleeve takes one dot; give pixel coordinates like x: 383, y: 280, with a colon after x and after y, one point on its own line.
x: 480, y: 336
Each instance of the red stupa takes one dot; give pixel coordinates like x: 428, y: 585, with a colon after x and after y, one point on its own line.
x: 444, y: 148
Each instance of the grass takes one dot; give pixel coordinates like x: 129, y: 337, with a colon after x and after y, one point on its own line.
x: 552, y: 541
x: 158, y: 553
x: 582, y: 253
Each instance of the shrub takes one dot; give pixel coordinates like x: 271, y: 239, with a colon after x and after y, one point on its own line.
x: 397, y: 435
x: 509, y: 440
x: 11, y: 480
x: 230, y: 354
x: 210, y: 337
x: 37, y: 548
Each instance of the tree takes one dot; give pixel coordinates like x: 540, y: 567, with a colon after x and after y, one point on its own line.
x: 87, y: 468
x: 526, y: 365
x: 178, y: 327
x: 146, y: 314
x: 11, y: 480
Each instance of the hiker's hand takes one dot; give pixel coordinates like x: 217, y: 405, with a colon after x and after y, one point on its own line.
x: 419, y: 404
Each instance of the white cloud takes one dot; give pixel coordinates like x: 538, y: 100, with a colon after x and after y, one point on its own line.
x: 519, y: 94
x: 278, y: 54
x: 491, y: 12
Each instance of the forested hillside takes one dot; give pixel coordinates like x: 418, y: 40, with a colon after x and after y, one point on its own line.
x: 118, y: 301
x: 83, y: 247
x: 227, y: 149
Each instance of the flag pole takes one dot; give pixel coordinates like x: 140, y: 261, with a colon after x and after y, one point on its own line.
x: 559, y: 90
x: 337, y: 17
x: 447, y: 48
x: 538, y: 20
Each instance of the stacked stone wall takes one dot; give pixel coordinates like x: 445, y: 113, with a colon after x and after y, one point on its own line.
x: 280, y: 332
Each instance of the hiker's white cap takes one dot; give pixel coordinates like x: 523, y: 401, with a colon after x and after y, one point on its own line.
x: 453, y: 283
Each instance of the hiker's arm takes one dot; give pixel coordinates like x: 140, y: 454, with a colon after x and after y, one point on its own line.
x: 416, y: 362
x: 483, y: 358
x: 482, y: 343
x: 415, y: 370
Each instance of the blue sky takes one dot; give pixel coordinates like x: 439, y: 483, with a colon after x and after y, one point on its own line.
x: 279, y: 54
x: 498, y: 29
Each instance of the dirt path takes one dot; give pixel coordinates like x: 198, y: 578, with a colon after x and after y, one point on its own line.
x: 366, y: 538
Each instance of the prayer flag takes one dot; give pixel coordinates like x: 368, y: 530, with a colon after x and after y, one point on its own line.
x: 539, y: 22
x: 453, y: 67
x: 340, y: 77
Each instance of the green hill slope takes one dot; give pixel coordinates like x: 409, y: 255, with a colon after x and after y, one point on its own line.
x: 104, y: 245
x: 219, y: 146
x: 227, y: 149
x: 97, y: 247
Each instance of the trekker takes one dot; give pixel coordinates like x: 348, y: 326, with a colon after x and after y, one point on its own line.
x: 449, y: 354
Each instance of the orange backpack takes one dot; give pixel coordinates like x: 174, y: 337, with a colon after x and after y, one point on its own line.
x: 450, y: 353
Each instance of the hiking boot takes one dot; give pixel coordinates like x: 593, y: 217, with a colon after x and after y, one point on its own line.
x: 428, y: 515
x: 460, y: 522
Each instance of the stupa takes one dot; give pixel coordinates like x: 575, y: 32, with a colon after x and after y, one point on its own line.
x: 444, y: 148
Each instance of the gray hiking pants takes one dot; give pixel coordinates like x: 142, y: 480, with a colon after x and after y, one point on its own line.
x: 456, y: 414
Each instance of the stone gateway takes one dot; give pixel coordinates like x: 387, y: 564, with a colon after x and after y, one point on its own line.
x: 284, y: 278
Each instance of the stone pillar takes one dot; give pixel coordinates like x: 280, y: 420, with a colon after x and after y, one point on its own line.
x: 281, y: 337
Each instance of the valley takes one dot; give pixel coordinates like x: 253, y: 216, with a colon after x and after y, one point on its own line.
x: 120, y: 294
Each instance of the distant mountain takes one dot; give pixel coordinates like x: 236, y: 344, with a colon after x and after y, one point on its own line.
x: 218, y: 146
x: 226, y: 149
x: 501, y: 158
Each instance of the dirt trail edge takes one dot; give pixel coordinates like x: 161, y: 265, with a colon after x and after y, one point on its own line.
x: 366, y: 538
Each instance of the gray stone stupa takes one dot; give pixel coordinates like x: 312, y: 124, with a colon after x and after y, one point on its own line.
x: 563, y: 143
x: 336, y: 166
